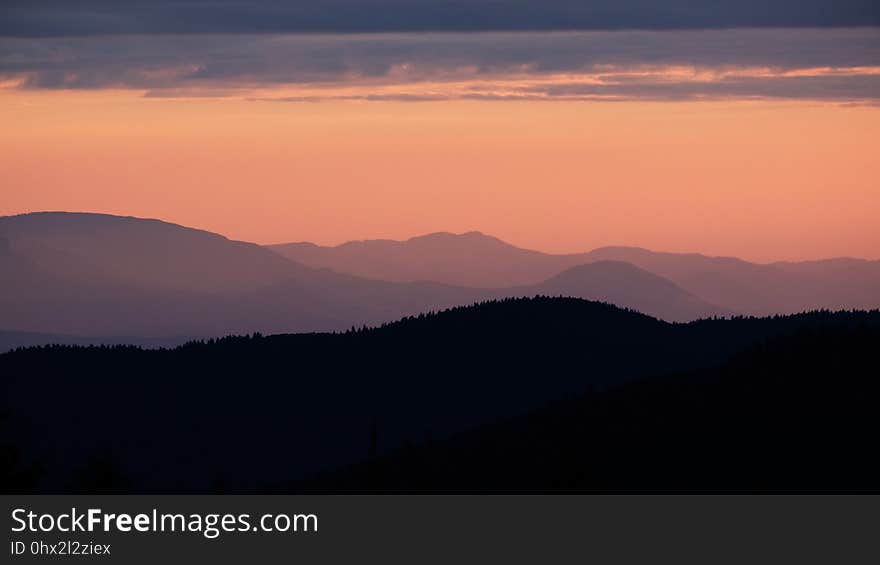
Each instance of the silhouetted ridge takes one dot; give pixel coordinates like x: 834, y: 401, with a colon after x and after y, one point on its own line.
x: 796, y: 414
x: 256, y: 411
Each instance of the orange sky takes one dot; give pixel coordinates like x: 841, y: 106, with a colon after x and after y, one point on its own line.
x: 761, y: 180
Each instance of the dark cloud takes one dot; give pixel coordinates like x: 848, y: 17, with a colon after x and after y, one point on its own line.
x: 623, y: 64
x: 46, y: 18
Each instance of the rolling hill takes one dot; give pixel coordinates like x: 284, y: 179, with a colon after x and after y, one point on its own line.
x: 251, y: 412
x: 622, y: 283
x: 797, y: 414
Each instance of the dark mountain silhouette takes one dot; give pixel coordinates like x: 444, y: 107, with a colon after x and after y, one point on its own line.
x: 257, y: 412
x: 796, y: 414
x: 731, y: 284
x: 88, y: 275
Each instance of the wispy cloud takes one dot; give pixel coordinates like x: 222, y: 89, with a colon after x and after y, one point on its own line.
x: 860, y: 85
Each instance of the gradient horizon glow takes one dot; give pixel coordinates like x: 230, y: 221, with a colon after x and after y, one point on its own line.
x: 745, y: 145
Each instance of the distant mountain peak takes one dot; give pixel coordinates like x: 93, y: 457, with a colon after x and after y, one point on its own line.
x: 472, y: 236
x: 607, y: 265
x: 138, y: 252
x: 608, y: 269
x: 60, y: 220
x: 644, y: 251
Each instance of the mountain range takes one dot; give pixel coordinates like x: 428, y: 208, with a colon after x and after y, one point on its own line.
x: 731, y: 284
x: 95, y: 278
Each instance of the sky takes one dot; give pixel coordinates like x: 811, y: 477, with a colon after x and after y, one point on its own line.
x: 720, y: 127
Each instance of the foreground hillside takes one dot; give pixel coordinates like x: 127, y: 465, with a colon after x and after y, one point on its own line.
x: 797, y: 414
x: 252, y: 413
